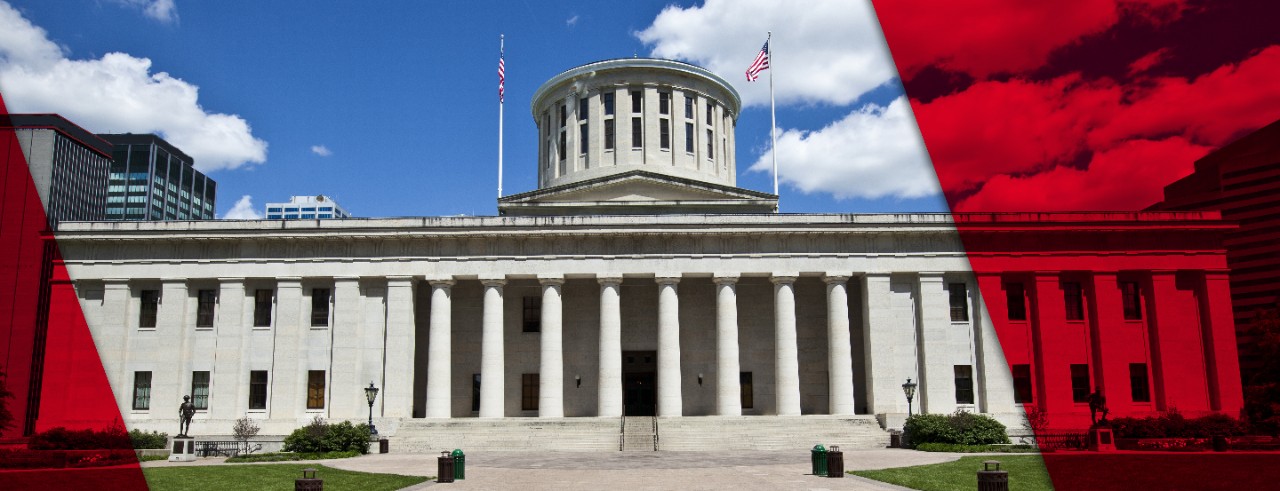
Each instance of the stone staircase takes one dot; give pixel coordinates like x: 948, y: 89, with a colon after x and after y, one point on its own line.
x: 639, y: 433
x: 689, y: 433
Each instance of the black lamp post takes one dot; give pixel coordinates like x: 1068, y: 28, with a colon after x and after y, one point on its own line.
x: 371, y: 393
x: 909, y: 389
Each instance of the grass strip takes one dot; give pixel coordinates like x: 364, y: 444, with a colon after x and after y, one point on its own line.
x: 268, y: 478
x: 1026, y: 473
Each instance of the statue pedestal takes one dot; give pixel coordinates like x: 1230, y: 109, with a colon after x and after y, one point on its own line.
x: 183, y: 449
x: 1101, y: 440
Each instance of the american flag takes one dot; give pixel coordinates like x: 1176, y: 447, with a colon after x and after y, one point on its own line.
x: 761, y: 64
x: 502, y: 76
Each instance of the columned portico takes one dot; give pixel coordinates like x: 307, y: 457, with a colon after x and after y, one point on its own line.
x: 492, y: 376
x: 728, y: 386
x: 440, y: 349
x: 786, y: 357
x: 670, y: 402
x: 839, y: 350
x: 551, y: 385
x: 609, y: 403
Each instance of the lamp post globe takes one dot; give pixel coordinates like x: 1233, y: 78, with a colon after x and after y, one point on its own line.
x: 371, y: 393
x: 909, y: 389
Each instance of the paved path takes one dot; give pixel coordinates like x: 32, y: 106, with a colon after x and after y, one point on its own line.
x: 738, y: 471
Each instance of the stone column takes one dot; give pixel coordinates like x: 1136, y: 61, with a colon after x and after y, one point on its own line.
x: 172, y: 369
x: 670, y: 402
x: 839, y: 348
x: 728, y: 385
x: 492, y: 383
x: 937, y: 390
x: 397, y: 396
x: 786, y: 354
x: 228, y: 372
x: 287, y: 393
x: 610, y: 378
x: 887, y: 342
x: 1222, y: 358
x: 440, y: 349
x: 116, y: 300
x: 346, y: 394
x: 551, y: 361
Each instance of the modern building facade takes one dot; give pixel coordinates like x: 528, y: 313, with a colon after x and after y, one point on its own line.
x: 559, y: 320
x: 68, y: 165
x: 306, y: 208
x: 153, y: 180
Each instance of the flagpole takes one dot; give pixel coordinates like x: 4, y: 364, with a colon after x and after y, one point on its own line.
x: 773, y: 117
x: 501, y: 100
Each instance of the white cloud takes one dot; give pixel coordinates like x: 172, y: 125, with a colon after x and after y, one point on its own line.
x: 826, y: 51
x: 572, y: 21
x: 321, y: 150
x: 243, y: 210
x: 872, y: 153
x: 162, y: 10
x: 116, y: 94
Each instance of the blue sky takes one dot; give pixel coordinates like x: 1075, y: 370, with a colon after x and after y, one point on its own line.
x: 403, y: 96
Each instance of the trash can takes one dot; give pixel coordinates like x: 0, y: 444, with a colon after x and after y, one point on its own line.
x: 459, y: 464
x: 992, y: 479
x: 384, y: 446
x: 835, y: 461
x: 1219, y: 443
x: 895, y: 440
x: 818, y: 457
x: 444, y: 469
x: 309, y: 482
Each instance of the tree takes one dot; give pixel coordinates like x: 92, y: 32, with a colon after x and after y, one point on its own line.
x: 1262, y: 383
x: 244, y: 429
x: 6, y: 417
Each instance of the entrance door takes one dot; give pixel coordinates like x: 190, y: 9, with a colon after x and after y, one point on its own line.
x: 639, y: 383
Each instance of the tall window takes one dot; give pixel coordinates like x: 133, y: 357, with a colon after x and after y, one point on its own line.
x: 1016, y: 298
x: 664, y: 103
x: 532, y: 314
x: 964, y: 384
x: 258, y: 389
x: 475, y: 392
x: 1022, y: 384
x: 564, y: 115
x: 320, y: 307
x: 150, y: 301
x: 688, y: 137
x: 529, y: 392
x: 1131, y: 297
x: 637, y: 133
x: 748, y: 390
x: 959, y: 301
x: 200, y: 389
x: 606, y: 99
x: 711, y: 144
x: 637, y: 101
x: 1080, y: 383
x: 664, y: 137
x: 1139, y: 384
x: 315, y: 389
x: 711, y: 110
x: 583, y: 138
x: 262, y: 307
x: 1073, y: 300
x: 205, y: 301
x: 608, y: 134
x: 141, y: 391
x: 560, y: 148
x: 583, y: 113
x: 688, y: 106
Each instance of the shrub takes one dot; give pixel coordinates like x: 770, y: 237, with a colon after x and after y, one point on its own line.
x: 154, y: 439
x: 244, y: 429
x: 955, y: 447
x: 60, y: 438
x: 961, y: 428
x: 285, y: 457
x: 320, y: 437
x: 1173, y: 425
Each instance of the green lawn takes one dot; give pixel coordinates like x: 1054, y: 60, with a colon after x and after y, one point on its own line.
x: 1026, y: 473
x: 268, y: 477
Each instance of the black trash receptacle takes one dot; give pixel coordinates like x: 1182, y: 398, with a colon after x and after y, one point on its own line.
x: 444, y: 468
x: 1219, y: 443
x: 384, y: 446
x: 992, y: 479
x: 835, y: 462
x: 895, y: 440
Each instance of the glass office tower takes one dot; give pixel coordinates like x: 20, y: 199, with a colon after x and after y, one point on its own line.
x: 151, y: 179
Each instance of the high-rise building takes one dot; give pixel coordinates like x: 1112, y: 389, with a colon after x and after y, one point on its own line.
x: 68, y: 165
x: 306, y: 208
x: 153, y: 180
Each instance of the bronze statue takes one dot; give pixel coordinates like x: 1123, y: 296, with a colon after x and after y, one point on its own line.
x: 185, y: 412
x: 1098, y: 403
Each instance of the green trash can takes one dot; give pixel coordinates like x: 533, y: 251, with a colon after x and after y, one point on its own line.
x: 818, y: 457
x: 459, y: 464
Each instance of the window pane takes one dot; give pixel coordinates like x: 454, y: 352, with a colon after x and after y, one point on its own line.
x: 319, y: 307
x: 262, y: 307
x: 583, y: 138
x: 688, y: 137
x: 560, y: 147
x: 1132, y: 299
x: 1140, y: 386
x: 711, y: 147
x: 150, y: 301
x: 637, y: 133
x: 959, y: 296
x: 1080, y: 383
x: 1017, y: 301
x: 637, y: 101
x: 141, y: 391
x: 529, y: 392
x: 688, y: 106
x: 258, y: 389
x: 475, y: 392
x: 200, y: 389
x: 664, y: 137
x: 748, y: 391
x: 582, y: 109
x: 608, y: 134
x: 564, y: 115
x: 204, y: 307
x: 315, y: 389
x: 607, y: 100
x: 964, y: 384
x: 1073, y: 300
x: 664, y: 103
x: 1022, y: 384
x: 532, y: 314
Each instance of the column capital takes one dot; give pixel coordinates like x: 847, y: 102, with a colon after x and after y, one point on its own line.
x: 667, y: 278
x: 225, y: 280
x: 444, y: 280
x: 786, y: 277
x: 931, y: 275
x: 834, y: 278
x: 399, y: 281
x: 607, y: 279
x: 1104, y: 273
x: 725, y: 278
x: 115, y: 282
x: 346, y: 278
x: 497, y: 281
x: 551, y: 280
x: 172, y: 281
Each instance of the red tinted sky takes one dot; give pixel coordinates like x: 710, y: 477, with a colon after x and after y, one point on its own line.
x: 1087, y: 105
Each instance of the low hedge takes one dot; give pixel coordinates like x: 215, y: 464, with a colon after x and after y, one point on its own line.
x: 322, y: 437
x: 63, y: 439
x: 958, y: 448
x: 1174, y: 425
x: 145, y: 440
x: 961, y: 428
x: 290, y: 456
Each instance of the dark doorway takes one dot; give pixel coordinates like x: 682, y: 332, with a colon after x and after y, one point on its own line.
x: 639, y: 383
